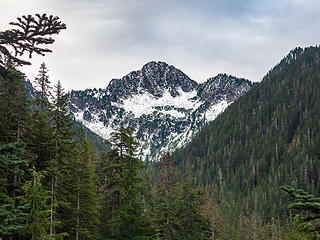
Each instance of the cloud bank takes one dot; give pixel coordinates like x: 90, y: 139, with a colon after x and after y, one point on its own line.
x: 107, y: 39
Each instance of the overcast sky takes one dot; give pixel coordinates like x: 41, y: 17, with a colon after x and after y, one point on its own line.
x: 107, y: 39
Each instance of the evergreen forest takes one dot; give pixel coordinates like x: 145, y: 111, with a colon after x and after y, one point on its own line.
x: 266, y: 139
x: 253, y: 173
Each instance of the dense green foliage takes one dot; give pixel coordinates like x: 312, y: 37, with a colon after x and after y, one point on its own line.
x: 267, y: 138
x: 14, y: 106
x: 303, y: 201
x: 36, y: 198
x: 308, y: 208
x: 123, y: 191
x: 12, y: 167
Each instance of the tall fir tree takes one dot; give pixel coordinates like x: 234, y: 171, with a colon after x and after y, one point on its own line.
x: 77, y: 193
x: 64, y: 149
x: 37, y: 199
x: 42, y: 135
x: 125, y: 220
x: 16, y: 127
x: 109, y: 172
x: 87, y: 220
x: 43, y: 88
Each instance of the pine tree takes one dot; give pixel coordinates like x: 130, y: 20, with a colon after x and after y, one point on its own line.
x: 87, y: 202
x: 41, y: 141
x: 308, y: 206
x: 303, y: 201
x: 42, y: 135
x: 77, y: 202
x: 43, y: 88
x: 37, y: 199
x: 15, y: 117
x: 109, y: 173
x: 14, y: 124
x: 126, y: 219
x: 62, y: 151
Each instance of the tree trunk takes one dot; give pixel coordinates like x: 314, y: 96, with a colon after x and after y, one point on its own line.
x: 78, y: 211
x: 51, y: 207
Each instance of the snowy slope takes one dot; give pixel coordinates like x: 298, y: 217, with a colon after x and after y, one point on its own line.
x: 163, y: 105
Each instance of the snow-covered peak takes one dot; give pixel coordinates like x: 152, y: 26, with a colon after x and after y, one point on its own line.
x: 163, y: 105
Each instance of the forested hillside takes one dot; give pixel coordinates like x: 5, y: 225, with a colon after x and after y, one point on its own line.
x: 266, y: 139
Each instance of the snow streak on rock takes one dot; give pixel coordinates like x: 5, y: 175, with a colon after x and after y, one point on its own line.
x: 163, y: 105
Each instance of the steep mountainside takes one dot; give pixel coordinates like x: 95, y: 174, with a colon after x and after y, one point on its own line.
x: 267, y: 138
x: 163, y: 104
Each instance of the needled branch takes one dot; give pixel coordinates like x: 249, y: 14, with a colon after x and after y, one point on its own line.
x: 29, y: 36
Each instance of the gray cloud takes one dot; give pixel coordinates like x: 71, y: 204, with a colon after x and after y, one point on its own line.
x: 106, y: 39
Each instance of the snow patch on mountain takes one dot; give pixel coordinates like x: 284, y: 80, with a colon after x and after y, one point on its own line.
x: 216, y: 109
x: 94, y: 125
x: 164, y: 106
x: 144, y: 104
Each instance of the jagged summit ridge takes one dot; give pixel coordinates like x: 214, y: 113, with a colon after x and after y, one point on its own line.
x: 223, y: 87
x: 154, y: 78
x: 162, y: 103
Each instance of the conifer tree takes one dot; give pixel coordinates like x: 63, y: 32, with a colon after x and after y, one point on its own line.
x: 126, y: 219
x: 14, y: 106
x: 77, y: 207
x: 307, y: 205
x: 29, y: 36
x: 12, y: 170
x: 87, y: 202
x: 42, y: 137
x: 43, y: 88
x: 37, y: 199
x: 109, y: 173
x: 167, y: 201
x: 193, y: 223
x: 14, y: 124
x: 303, y: 201
x: 63, y: 149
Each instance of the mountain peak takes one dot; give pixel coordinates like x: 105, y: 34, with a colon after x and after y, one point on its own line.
x: 154, y: 65
x: 154, y: 78
x: 162, y: 103
x: 223, y: 86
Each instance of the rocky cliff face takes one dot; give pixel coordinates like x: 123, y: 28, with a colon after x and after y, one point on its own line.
x: 163, y: 105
